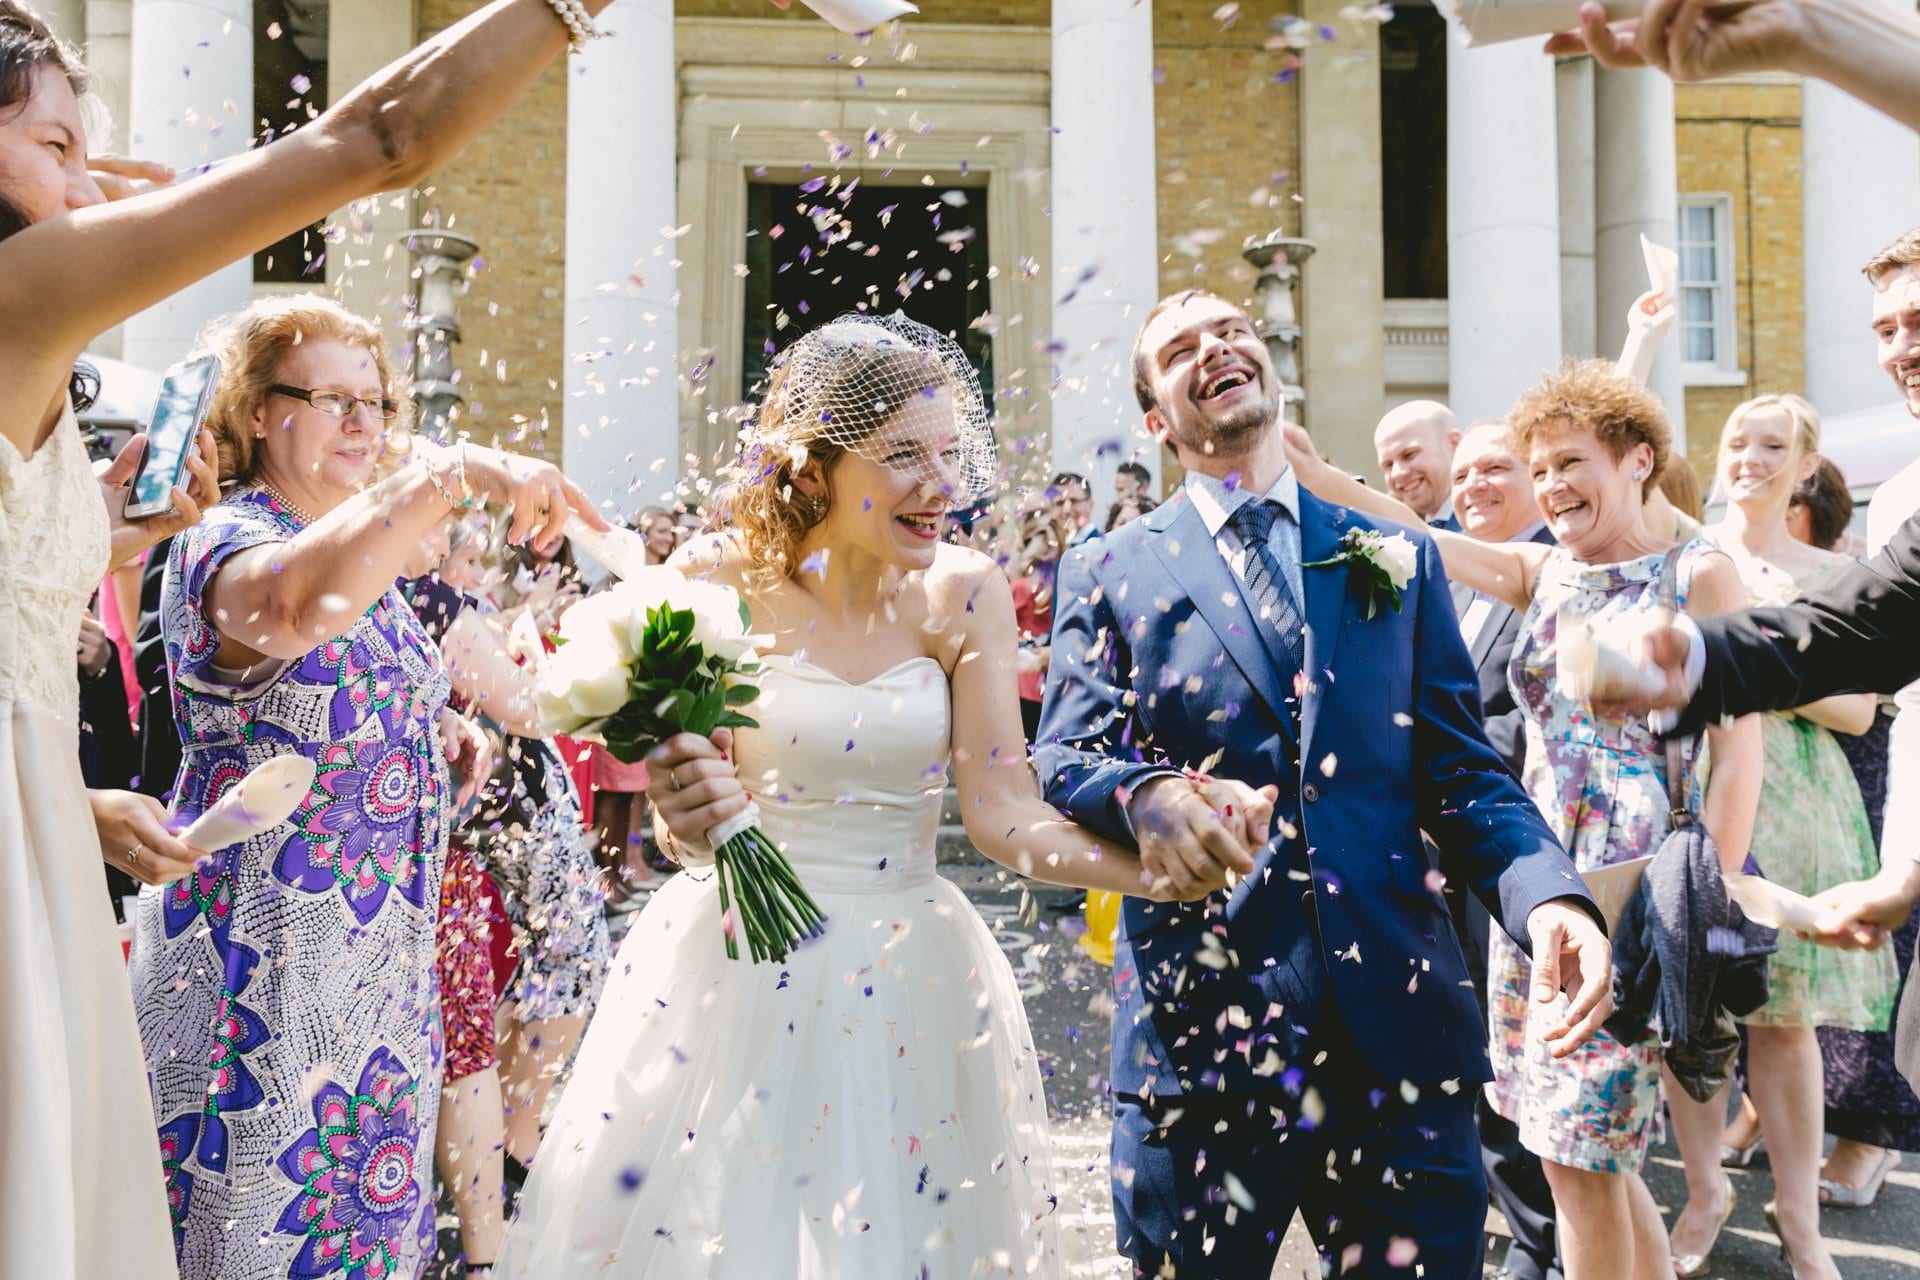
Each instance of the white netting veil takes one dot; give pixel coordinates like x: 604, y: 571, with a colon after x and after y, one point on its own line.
x: 887, y: 388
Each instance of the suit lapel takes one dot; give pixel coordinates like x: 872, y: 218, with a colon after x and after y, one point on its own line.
x: 1322, y: 526
x: 1197, y: 567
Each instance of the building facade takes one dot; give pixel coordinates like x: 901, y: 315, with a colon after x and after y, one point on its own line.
x: 659, y: 215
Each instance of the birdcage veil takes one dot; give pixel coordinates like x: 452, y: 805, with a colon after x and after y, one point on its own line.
x: 856, y: 383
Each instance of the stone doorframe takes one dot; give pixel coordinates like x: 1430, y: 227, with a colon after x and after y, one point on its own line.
x: 971, y: 108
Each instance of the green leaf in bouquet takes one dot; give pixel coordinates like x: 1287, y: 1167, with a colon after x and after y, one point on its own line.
x: 734, y: 720
x: 739, y: 695
x: 706, y: 713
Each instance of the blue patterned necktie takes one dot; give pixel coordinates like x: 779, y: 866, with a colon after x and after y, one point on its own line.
x: 1268, y: 595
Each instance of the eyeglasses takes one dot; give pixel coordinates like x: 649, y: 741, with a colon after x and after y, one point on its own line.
x: 338, y: 404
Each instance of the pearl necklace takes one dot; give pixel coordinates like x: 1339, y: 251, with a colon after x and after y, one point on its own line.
x: 281, y: 498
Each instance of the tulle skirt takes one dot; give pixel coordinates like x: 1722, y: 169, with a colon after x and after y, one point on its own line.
x: 870, y: 1108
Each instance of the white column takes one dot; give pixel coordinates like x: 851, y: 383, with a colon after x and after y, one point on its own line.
x: 1573, y: 85
x: 621, y: 336
x: 1105, y: 228
x: 1503, y: 226
x: 1862, y: 192
x: 1635, y: 193
x: 192, y: 101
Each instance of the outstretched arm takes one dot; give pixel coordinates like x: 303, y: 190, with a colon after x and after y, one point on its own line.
x: 1503, y: 570
x: 81, y: 273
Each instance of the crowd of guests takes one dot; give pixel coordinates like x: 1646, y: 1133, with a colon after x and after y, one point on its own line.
x: 396, y: 980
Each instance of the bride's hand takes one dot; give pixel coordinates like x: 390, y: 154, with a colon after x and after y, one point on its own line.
x: 694, y: 786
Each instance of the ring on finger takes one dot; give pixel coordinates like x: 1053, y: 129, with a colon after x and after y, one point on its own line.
x: 673, y: 779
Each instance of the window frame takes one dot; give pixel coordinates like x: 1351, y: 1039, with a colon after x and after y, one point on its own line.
x: 1724, y: 370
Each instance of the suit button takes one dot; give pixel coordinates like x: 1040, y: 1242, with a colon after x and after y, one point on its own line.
x: 1309, y: 793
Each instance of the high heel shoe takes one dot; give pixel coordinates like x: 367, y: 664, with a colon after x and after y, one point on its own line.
x: 1773, y: 1224
x: 1690, y: 1266
x: 1862, y: 1196
x: 1741, y: 1157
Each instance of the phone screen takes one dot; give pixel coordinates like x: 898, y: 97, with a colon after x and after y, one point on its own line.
x: 176, y: 418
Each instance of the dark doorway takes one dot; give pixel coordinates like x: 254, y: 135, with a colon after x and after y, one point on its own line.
x: 1413, y: 151
x: 821, y: 248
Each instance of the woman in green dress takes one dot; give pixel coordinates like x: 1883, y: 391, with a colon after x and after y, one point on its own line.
x: 1811, y: 832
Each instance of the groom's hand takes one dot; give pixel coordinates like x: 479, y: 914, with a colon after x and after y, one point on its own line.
x: 1571, y: 953
x: 1187, y: 844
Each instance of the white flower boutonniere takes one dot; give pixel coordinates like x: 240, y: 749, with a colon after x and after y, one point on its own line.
x: 1385, y: 564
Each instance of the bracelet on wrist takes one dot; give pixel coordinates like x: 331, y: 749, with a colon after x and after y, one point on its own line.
x: 579, y: 23
x: 468, y: 498
x: 440, y: 486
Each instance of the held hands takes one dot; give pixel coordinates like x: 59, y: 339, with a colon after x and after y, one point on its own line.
x: 1571, y: 953
x: 1862, y: 914
x: 694, y: 786
x: 133, y: 834
x: 1196, y: 834
x: 1694, y: 39
x: 469, y: 753
x: 131, y: 537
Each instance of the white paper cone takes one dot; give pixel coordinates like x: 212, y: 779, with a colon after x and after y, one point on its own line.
x: 1613, y: 887
x: 1482, y: 22
x: 1602, y: 664
x: 262, y: 801
x: 1772, y: 905
x: 855, y: 17
x: 1663, y: 269
x: 622, y: 551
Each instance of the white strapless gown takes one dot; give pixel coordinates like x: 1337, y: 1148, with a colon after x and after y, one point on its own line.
x: 871, y: 1109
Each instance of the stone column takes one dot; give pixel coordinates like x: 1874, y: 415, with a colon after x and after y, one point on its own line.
x: 191, y: 102
x: 1105, y: 228
x: 109, y: 31
x: 1573, y: 91
x: 1635, y: 193
x: 1862, y: 191
x: 1343, y: 304
x: 622, y: 439
x: 1503, y: 226
x: 367, y: 270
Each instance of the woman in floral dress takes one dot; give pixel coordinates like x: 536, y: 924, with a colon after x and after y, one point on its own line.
x: 285, y: 993
x: 1595, y: 441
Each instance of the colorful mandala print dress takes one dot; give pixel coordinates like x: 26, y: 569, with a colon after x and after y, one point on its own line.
x: 286, y: 994
x: 1601, y: 784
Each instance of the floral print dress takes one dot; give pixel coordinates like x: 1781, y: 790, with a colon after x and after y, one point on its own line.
x: 1601, y: 784
x: 286, y: 993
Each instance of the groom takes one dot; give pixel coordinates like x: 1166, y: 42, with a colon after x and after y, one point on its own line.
x: 1306, y: 1038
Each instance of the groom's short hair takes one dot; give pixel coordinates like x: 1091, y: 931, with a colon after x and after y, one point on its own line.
x: 1143, y: 376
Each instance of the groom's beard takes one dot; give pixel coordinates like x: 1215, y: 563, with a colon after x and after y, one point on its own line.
x: 1234, y: 434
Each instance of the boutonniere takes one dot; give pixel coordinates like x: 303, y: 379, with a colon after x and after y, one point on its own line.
x: 1385, y: 565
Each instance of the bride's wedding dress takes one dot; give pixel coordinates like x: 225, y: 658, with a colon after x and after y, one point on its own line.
x: 869, y: 1109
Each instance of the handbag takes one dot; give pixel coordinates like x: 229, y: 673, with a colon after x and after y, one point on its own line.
x: 1685, y: 952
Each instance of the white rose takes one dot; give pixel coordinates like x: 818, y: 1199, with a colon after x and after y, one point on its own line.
x: 1398, y: 557
x: 599, y: 621
x: 581, y: 683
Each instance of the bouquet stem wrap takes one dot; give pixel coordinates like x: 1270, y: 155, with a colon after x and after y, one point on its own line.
x: 759, y: 887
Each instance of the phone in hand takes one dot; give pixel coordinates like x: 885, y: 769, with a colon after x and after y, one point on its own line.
x: 184, y: 399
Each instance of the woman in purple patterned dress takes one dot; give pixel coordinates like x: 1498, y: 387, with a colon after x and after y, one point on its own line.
x: 286, y: 992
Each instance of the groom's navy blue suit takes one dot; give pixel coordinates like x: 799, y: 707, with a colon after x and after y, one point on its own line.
x: 1227, y: 1116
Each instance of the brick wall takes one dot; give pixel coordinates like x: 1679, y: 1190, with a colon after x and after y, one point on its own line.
x: 508, y: 190
x: 1226, y: 143
x: 1743, y: 140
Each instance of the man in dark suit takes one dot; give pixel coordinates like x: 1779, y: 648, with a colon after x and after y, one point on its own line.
x: 1859, y: 632
x: 1306, y: 1038
x: 1493, y: 500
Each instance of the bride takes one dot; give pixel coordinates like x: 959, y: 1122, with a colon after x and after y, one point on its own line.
x: 872, y: 1106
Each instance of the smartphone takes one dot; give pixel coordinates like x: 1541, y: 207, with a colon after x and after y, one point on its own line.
x: 184, y: 399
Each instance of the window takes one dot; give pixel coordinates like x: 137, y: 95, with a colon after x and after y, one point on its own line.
x: 1413, y: 152
x: 1708, y: 347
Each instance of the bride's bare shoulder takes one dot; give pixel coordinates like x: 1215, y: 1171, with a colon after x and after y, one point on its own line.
x: 961, y: 571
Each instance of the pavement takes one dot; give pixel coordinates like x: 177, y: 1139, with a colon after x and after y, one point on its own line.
x: 1068, y: 1007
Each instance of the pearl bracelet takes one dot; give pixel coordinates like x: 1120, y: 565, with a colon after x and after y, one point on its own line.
x: 580, y: 28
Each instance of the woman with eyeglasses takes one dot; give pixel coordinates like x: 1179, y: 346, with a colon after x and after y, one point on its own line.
x: 285, y: 989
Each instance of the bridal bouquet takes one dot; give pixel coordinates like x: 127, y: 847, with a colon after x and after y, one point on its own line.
x: 656, y: 655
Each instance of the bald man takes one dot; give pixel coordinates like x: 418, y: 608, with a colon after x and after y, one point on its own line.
x: 1414, y: 444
